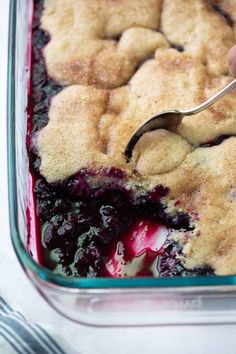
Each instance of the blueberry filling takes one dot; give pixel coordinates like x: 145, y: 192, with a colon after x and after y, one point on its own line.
x: 93, y: 219
x: 80, y: 234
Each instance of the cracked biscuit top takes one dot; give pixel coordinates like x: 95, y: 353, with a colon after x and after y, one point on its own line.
x: 98, y: 49
x: 101, y: 42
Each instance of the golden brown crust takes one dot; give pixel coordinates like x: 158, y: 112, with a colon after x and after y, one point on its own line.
x: 200, y: 30
x: 90, y: 127
x: 170, y: 151
x: 71, y: 139
x: 83, y: 48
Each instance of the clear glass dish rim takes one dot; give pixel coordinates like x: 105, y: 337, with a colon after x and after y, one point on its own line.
x: 25, y: 259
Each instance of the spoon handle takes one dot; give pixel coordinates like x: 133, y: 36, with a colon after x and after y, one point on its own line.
x: 211, y: 100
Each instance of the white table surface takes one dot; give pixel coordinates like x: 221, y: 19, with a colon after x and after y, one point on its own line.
x: 17, y: 290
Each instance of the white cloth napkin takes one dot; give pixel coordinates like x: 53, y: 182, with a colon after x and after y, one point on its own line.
x: 19, y: 336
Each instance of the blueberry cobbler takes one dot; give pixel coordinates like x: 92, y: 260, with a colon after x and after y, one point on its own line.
x: 100, y: 69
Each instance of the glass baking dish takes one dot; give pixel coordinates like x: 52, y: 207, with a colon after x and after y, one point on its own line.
x: 93, y: 301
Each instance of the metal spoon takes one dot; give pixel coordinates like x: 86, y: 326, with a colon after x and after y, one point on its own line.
x: 170, y: 119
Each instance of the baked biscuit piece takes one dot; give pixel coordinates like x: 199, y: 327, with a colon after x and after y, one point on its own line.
x: 85, y: 47
x: 200, y: 30
x: 71, y: 139
x: 159, y: 152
